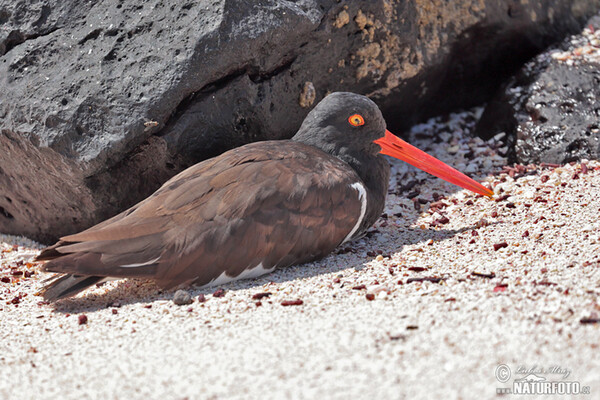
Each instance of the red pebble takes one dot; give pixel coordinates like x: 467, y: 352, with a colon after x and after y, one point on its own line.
x: 258, y: 296
x: 82, y: 319
x: 498, y: 246
x: 444, y: 220
x: 219, y: 293
x: 501, y: 288
x: 549, y: 165
x: 201, y: 298
x: 359, y: 287
x: 584, y: 169
x: 286, y: 303
x: 5, y: 279
x: 370, y: 296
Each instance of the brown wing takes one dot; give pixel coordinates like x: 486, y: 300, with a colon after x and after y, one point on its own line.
x: 270, y: 203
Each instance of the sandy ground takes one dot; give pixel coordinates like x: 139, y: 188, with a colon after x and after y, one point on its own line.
x: 445, y: 295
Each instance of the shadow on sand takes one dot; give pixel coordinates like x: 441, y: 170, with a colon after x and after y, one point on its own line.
x: 353, y: 255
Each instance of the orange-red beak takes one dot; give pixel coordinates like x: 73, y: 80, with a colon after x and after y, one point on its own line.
x: 392, y: 145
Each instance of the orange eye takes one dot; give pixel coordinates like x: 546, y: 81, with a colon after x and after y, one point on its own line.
x: 356, y: 120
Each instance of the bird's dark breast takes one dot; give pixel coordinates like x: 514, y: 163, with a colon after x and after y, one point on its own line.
x: 268, y: 204
x: 374, y: 172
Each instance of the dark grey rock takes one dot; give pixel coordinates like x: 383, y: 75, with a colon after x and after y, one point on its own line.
x: 550, y: 109
x: 103, y: 101
x: 564, y: 116
x: 181, y: 297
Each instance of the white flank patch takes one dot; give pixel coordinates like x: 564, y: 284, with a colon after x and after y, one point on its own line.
x: 248, y: 273
x: 140, y: 264
x: 362, y: 196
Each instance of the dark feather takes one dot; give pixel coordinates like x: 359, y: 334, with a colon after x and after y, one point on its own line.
x: 68, y: 285
x: 50, y: 253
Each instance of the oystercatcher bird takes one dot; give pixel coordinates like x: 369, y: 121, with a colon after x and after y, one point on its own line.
x: 252, y: 209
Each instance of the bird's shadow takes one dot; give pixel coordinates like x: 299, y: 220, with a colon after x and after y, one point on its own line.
x: 353, y: 255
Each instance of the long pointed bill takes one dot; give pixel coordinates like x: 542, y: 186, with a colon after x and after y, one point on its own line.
x: 392, y: 145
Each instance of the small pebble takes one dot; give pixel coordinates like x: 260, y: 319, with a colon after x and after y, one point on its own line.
x: 589, y: 321
x: 258, y: 296
x: 498, y: 246
x: 286, y: 303
x: 182, y: 297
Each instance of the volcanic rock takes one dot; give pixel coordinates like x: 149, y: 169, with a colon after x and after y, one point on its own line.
x: 551, y: 107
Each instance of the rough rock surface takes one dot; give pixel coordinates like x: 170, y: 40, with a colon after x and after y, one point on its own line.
x: 551, y: 107
x: 103, y: 101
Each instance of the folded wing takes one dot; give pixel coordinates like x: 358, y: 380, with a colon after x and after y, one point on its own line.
x: 262, y: 205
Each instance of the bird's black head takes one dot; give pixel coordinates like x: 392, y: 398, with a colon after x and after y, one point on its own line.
x: 345, y: 125
x: 351, y: 127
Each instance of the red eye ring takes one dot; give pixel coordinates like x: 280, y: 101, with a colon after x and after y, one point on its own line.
x: 356, y: 120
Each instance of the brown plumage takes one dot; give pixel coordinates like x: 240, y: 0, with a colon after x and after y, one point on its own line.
x: 294, y: 206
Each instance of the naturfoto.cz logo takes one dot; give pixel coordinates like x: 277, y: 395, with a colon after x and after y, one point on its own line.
x: 533, y: 383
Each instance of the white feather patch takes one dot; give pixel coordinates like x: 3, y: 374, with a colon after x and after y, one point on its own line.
x: 140, y: 264
x: 248, y: 273
x: 362, y: 196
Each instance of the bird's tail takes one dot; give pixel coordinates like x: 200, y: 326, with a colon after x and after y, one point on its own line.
x: 50, y: 253
x: 68, y: 285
